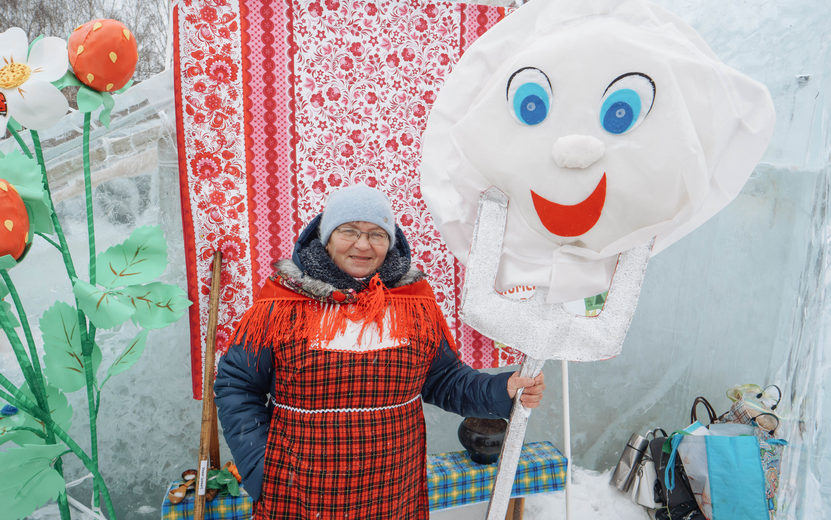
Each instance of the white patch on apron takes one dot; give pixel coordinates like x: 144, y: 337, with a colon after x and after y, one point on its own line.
x: 370, y: 341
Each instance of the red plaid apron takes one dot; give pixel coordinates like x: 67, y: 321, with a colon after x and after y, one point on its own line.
x: 347, y: 437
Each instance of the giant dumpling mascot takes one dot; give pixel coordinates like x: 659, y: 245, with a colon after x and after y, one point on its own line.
x: 569, y: 135
x: 605, y: 122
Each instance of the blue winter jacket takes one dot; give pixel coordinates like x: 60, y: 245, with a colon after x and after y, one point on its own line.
x: 244, y: 381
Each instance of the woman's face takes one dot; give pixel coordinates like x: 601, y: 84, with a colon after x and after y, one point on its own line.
x: 362, y: 257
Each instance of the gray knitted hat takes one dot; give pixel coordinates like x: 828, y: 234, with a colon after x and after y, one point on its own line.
x: 358, y: 203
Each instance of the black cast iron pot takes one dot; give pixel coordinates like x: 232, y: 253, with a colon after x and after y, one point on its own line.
x: 482, y: 438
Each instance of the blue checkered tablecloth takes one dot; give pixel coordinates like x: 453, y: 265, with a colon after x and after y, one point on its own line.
x: 223, y: 507
x: 453, y: 479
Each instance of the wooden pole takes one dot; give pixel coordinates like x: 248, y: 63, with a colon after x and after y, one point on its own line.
x: 208, y: 435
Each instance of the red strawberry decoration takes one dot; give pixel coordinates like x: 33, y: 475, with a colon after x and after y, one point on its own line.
x: 103, y: 54
x: 14, y: 221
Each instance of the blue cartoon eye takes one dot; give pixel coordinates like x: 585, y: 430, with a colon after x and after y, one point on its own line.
x: 529, y: 96
x: 626, y: 102
x: 531, y: 103
x: 620, y: 111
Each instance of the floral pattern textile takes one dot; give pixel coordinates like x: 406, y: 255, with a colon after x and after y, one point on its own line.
x: 280, y: 103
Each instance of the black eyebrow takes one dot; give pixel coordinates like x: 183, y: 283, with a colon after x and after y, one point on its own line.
x: 508, y: 87
x: 641, y: 74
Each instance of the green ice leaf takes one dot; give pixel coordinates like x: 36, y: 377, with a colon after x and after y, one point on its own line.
x: 24, y: 174
x: 59, y: 409
x: 106, y: 309
x: 157, y: 304
x: 8, y: 425
x: 40, y: 219
x: 130, y: 355
x: 6, y: 307
x: 88, y: 99
x: 3, y: 265
x: 68, y: 80
x: 28, y: 480
x: 109, y: 103
x: 6, y: 262
x: 62, y: 346
x: 140, y: 259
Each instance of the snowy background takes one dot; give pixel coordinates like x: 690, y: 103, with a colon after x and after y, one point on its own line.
x: 740, y: 300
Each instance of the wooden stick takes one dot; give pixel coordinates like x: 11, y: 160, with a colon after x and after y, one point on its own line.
x: 515, y: 508
x: 208, y: 433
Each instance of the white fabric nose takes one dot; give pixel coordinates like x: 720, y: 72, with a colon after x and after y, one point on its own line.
x: 577, y: 151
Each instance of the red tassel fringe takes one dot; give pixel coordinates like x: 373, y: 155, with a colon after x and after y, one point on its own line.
x: 272, y: 321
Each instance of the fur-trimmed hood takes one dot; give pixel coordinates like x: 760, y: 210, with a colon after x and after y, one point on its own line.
x: 314, y: 273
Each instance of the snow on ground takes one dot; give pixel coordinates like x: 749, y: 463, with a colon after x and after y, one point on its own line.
x: 591, y: 498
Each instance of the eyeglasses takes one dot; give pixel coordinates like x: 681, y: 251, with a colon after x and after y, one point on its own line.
x: 376, y: 237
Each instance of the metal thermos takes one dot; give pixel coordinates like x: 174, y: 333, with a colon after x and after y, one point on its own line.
x: 625, y: 470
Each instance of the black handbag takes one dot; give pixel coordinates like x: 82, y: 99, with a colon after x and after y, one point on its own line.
x: 681, y: 493
x: 680, y: 503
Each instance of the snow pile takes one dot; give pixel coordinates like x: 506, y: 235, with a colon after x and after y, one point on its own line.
x: 591, y: 497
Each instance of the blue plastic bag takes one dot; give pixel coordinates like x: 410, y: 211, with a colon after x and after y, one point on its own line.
x: 724, y: 468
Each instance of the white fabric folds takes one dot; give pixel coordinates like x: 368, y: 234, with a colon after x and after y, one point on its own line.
x: 606, y: 123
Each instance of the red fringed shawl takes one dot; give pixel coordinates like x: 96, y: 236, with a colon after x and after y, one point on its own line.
x: 280, y: 314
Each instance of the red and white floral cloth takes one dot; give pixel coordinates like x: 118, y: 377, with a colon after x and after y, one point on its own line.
x: 278, y: 104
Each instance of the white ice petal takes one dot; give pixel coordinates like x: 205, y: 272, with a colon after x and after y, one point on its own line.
x: 48, y: 59
x: 13, y: 45
x: 39, y: 106
x: 4, y: 120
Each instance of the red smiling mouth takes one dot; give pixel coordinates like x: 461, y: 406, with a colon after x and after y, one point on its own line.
x: 574, y: 220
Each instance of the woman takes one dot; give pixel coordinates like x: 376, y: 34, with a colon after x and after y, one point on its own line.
x: 319, y: 397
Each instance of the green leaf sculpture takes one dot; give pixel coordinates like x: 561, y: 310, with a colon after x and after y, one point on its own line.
x: 24, y: 174
x: 157, y: 304
x: 67, y: 80
x: 6, y: 308
x: 62, y: 346
x: 108, y: 102
x: 10, y: 428
x: 88, y: 99
x: 6, y: 262
x: 18, y: 427
x: 140, y: 259
x: 106, y: 309
x: 28, y: 480
x: 130, y: 355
